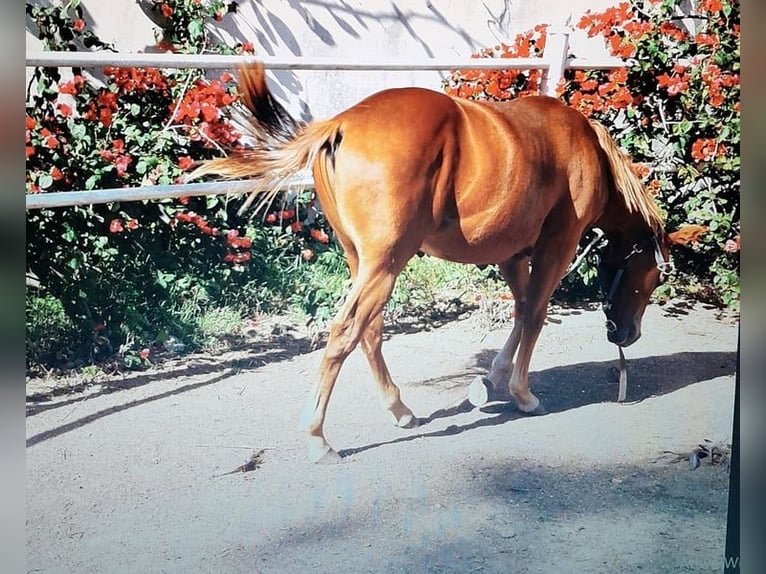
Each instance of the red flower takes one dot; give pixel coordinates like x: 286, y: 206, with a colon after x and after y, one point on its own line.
x: 131, y: 224
x: 56, y: 174
x: 710, y: 6
x: 248, y: 47
x: 31, y: 123
x: 320, y: 235
x: 296, y: 226
x: 705, y: 149
x: 185, y: 162
x: 51, y: 142
x: 30, y: 151
x: 144, y: 354
x: 674, y: 84
x: 271, y: 218
x: 706, y: 39
x: 184, y: 199
x: 122, y: 163
x: 105, y: 116
x: 115, y: 226
x: 209, y: 113
x: 65, y: 110
x: 79, y: 24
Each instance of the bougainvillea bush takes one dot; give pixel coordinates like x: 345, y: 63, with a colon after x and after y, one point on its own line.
x: 674, y: 107
x: 121, y: 277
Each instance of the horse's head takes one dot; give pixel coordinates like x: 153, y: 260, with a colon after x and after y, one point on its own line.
x: 629, y: 272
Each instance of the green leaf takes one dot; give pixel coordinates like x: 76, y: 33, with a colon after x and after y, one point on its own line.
x: 196, y: 28
x: 45, y: 181
x: 90, y: 183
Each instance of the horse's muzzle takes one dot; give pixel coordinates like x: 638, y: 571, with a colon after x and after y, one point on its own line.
x: 622, y: 336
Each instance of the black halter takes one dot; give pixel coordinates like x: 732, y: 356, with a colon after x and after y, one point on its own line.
x: 663, y: 265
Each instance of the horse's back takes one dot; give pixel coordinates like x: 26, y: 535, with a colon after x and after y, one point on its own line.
x: 472, y: 181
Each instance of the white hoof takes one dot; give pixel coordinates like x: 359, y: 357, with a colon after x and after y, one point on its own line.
x: 321, y: 453
x: 407, y: 421
x: 479, y: 391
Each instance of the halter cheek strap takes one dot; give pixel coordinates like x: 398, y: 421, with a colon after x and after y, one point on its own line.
x: 664, y: 266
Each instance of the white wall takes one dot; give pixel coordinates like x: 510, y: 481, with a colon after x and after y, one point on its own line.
x: 348, y: 29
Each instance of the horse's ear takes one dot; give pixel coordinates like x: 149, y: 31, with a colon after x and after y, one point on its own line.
x: 687, y: 234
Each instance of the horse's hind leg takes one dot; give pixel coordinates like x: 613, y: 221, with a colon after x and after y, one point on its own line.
x: 369, y: 293
x: 494, y: 387
x: 372, y: 344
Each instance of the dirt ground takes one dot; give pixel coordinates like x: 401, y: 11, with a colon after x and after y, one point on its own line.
x: 134, y: 474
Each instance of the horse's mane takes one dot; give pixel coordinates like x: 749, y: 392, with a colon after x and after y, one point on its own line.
x: 627, y: 182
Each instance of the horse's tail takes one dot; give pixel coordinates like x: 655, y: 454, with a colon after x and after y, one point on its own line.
x: 281, y: 148
x: 626, y: 181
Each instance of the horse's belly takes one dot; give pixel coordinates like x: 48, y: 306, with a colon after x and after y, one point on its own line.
x: 482, y: 246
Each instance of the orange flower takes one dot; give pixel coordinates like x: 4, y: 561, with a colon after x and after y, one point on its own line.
x: 706, y: 39
x: 185, y: 162
x: 674, y: 84
x: 705, y: 149
x: 320, y: 235
x: 65, y: 110
x: 671, y: 30
x: 710, y: 6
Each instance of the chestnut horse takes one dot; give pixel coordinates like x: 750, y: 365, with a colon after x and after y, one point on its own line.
x: 515, y: 184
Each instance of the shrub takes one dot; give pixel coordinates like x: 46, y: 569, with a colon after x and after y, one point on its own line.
x: 674, y: 107
x: 131, y: 268
x: 47, y: 325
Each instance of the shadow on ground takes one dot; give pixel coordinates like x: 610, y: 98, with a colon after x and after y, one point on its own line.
x: 573, y: 386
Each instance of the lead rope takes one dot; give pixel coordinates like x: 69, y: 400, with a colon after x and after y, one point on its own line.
x: 623, y: 378
x: 591, y: 244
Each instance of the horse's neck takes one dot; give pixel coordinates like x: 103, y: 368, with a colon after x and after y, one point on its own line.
x: 617, y: 219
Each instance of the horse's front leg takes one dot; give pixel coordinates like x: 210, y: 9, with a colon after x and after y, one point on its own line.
x: 550, y: 261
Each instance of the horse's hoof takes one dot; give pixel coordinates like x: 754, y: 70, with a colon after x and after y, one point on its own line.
x: 330, y: 457
x: 321, y: 453
x: 479, y: 391
x: 408, y: 421
x: 534, y: 408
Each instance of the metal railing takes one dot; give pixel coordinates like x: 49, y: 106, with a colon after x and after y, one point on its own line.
x: 554, y: 63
